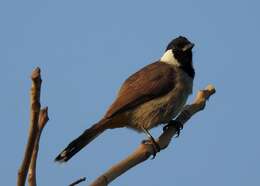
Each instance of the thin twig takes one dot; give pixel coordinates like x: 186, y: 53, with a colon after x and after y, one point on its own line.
x: 144, y: 151
x: 43, y: 119
x: 34, y: 117
x: 78, y: 181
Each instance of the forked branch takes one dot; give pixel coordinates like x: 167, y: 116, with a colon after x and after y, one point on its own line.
x: 43, y: 119
x: 39, y: 118
x: 33, y: 128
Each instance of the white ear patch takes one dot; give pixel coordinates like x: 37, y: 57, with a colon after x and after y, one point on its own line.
x: 168, y: 57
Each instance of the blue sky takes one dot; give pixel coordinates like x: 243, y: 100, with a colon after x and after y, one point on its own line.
x: 87, y: 48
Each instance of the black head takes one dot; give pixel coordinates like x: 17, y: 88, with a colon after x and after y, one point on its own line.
x: 181, y: 44
x: 182, y: 49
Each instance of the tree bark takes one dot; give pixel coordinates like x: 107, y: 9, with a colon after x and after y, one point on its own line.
x: 43, y: 119
x: 33, y: 129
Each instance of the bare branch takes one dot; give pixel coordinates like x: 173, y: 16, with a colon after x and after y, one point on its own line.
x: 78, y: 181
x: 43, y: 119
x: 33, y: 129
x: 144, y: 151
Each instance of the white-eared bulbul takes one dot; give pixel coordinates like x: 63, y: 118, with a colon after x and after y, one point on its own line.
x: 154, y: 95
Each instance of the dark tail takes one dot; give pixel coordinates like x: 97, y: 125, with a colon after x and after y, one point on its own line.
x: 85, y: 138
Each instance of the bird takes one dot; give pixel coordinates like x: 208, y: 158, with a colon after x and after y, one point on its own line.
x: 152, y: 96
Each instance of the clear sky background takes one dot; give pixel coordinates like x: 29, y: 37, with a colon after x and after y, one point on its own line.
x: 86, y: 49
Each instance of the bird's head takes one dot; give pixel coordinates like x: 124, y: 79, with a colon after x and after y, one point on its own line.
x: 180, y: 44
x: 179, y: 51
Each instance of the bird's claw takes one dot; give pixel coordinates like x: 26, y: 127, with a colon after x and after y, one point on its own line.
x: 156, y: 147
x: 151, y: 140
x: 176, y: 124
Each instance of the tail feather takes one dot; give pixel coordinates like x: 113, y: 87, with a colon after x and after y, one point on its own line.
x: 85, y: 138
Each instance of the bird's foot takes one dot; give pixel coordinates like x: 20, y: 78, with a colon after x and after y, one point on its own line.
x: 176, y: 124
x: 151, y: 140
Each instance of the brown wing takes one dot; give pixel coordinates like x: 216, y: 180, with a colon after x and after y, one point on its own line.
x: 150, y: 82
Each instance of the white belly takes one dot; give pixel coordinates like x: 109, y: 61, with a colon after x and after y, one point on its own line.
x: 164, y: 108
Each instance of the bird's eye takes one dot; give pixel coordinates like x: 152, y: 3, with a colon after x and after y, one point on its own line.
x: 174, y: 48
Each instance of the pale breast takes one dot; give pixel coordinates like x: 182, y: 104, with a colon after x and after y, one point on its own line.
x: 164, y: 108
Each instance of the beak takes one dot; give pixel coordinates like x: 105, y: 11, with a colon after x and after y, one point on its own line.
x: 188, y: 47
